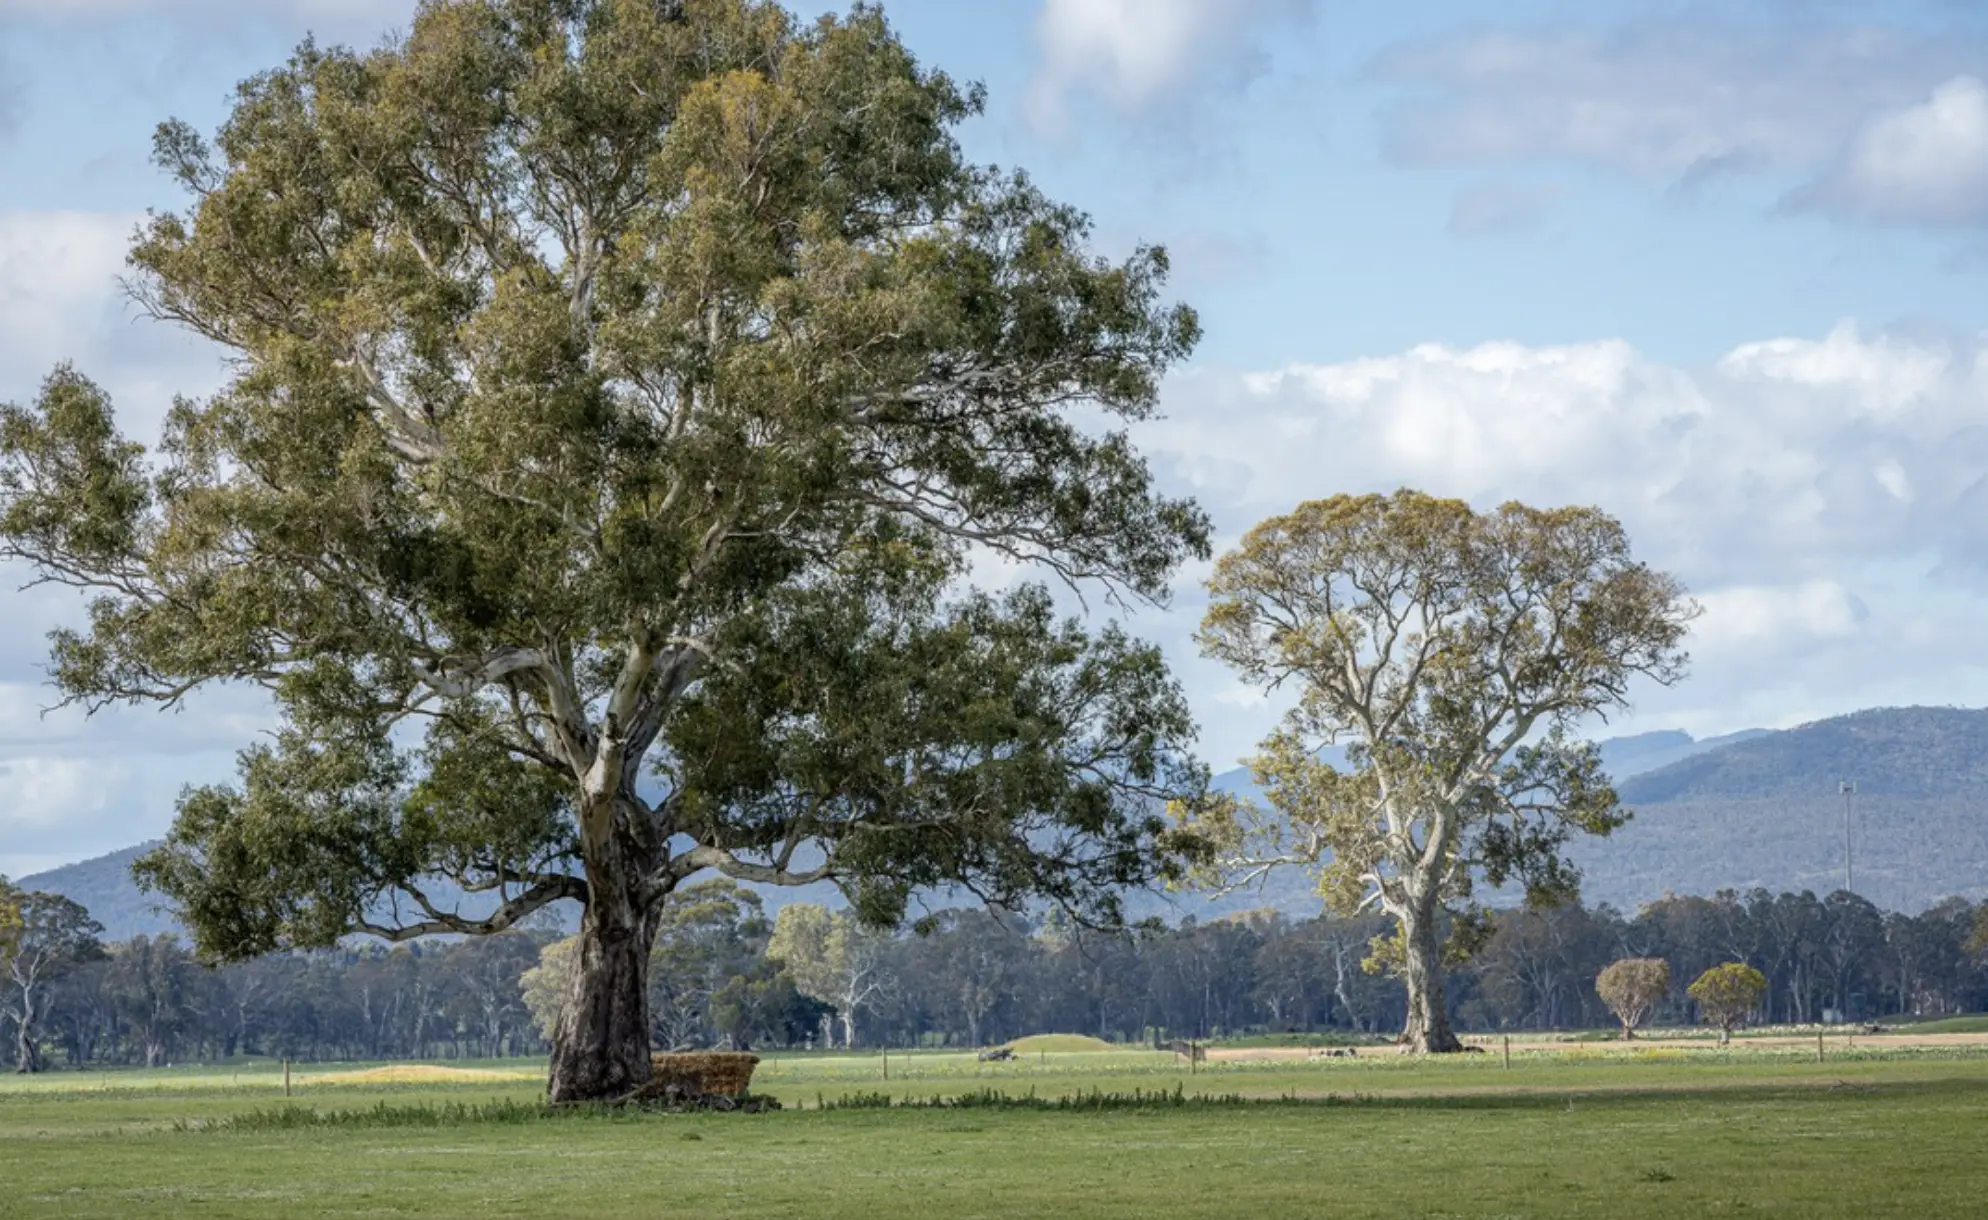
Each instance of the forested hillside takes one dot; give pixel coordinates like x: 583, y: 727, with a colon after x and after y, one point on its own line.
x: 1768, y: 811
x: 104, y: 885
x: 1909, y: 753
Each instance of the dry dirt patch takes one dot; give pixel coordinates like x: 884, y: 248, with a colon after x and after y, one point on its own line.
x: 417, y: 1073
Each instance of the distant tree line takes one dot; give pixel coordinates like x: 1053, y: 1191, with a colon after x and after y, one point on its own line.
x: 726, y: 973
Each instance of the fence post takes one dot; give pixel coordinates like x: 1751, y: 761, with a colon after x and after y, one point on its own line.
x: 1508, y: 1052
x: 286, y: 1075
x: 1818, y: 1046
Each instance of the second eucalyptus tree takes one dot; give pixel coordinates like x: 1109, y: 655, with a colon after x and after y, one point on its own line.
x: 41, y: 937
x: 832, y: 960
x: 1451, y: 653
x: 620, y: 390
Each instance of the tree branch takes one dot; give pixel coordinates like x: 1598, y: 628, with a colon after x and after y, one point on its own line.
x: 443, y: 923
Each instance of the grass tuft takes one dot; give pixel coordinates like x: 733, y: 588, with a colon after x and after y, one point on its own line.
x: 1949, y: 1025
x: 446, y: 1114
x: 381, y: 1114
x: 1176, y: 1098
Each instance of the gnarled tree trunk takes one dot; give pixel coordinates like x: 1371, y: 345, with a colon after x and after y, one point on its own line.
x: 1427, y: 1030
x: 601, y: 1050
x: 27, y: 1055
x: 27, y: 1048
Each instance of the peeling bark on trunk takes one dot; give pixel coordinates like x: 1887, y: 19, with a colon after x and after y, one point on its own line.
x: 1339, y: 990
x: 1428, y: 1027
x: 27, y: 1048
x: 601, y: 1051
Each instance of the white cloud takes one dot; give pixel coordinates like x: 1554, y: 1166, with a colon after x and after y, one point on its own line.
x: 83, y: 806
x: 1882, y: 376
x: 59, y: 807
x: 1892, y: 477
x: 215, y: 720
x: 1925, y: 164
x: 1241, y: 694
x: 1499, y: 207
x: 1744, y: 619
x: 1133, y: 55
x: 57, y: 272
x: 1666, y: 101
x: 1826, y: 498
x: 43, y: 793
x: 1788, y: 454
x: 60, y: 301
x: 1474, y: 422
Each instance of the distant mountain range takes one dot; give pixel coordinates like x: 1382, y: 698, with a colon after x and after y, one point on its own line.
x: 1763, y: 808
x: 104, y: 885
x: 1769, y: 811
x: 1758, y: 808
x: 1626, y: 757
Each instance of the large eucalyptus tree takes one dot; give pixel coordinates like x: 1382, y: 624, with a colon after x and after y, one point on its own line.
x: 620, y: 390
x: 1452, y: 654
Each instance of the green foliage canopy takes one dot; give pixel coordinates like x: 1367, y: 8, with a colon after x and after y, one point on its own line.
x: 1631, y: 987
x: 620, y: 391
x: 831, y: 958
x: 10, y: 923
x: 1727, y: 993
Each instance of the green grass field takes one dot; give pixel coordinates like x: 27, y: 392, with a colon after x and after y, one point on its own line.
x: 1950, y: 1025
x: 1589, y: 1131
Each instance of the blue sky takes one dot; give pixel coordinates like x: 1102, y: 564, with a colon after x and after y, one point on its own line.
x: 1720, y: 269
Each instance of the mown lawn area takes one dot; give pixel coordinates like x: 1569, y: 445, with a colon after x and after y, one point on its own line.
x: 1574, y: 1135
x: 1975, y: 1024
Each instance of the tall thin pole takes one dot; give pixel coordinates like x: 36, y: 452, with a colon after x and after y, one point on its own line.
x: 1848, y: 788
